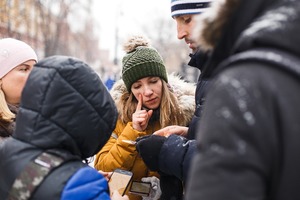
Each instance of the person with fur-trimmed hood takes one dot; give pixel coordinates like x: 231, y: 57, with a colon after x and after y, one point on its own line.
x: 248, y: 139
x: 147, y: 99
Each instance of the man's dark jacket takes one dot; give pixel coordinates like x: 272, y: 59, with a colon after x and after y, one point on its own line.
x: 248, y: 136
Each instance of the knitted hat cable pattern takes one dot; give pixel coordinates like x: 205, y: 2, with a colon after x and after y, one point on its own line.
x: 141, y: 61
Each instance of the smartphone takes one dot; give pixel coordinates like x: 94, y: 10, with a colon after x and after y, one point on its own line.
x: 140, y: 188
x: 119, y: 180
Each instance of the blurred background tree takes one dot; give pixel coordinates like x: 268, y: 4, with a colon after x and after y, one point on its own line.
x: 52, y: 26
x: 69, y: 27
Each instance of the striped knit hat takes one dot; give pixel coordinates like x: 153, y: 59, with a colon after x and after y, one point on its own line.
x: 141, y: 61
x: 188, y: 7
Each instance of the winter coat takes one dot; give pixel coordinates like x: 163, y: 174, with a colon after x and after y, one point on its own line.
x: 119, y: 154
x: 67, y: 111
x: 175, y: 156
x: 7, y: 128
x: 177, y: 152
x: 198, y: 61
x: 248, y: 138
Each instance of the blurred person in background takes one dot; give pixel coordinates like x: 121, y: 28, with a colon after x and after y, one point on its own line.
x: 16, y: 62
x: 147, y: 99
x: 248, y: 138
x: 62, y: 121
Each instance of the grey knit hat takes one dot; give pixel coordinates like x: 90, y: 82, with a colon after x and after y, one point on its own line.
x: 141, y: 61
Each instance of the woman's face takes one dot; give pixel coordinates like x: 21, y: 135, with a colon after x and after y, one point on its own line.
x: 14, y: 81
x: 151, y: 90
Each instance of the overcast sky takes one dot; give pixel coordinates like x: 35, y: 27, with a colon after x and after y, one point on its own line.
x: 128, y: 15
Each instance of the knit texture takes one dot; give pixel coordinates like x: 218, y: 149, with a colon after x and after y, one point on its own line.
x: 142, y: 62
x: 13, y: 53
x: 188, y: 7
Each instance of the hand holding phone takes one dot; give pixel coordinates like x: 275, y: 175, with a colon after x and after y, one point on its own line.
x: 119, y: 181
x: 148, y: 188
x: 140, y: 188
x: 106, y: 175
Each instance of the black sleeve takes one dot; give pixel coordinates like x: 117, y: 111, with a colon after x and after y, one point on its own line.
x: 235, y: 141
x: 175, y: 156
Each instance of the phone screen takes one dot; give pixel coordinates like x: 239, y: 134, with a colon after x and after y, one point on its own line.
x: 140, y: 188
x: 119, y: 180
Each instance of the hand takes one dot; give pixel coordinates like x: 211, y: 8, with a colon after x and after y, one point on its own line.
x: 116, y: 196
x: 149, y: 148
x: 106, y: 175
x: 155, y: 192
x: 169, y: 130
x: 141, y: 117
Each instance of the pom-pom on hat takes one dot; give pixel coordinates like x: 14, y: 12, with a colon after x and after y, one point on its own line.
x: 141, y: 61
x: 188, y: 7
x: 13, y: 53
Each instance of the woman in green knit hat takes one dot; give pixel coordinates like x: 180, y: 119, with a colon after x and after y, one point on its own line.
x: 147, y: 100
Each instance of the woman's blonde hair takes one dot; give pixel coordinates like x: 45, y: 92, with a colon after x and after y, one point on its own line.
x: 5, y: 114
x: 169, y: 108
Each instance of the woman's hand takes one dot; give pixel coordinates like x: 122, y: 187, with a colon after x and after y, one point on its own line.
x: 141, y: 117
x: 117, y: 196
x: 106, y: 175
x: 169, y: 130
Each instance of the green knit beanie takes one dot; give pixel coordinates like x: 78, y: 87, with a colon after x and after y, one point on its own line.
x: 141, y: 61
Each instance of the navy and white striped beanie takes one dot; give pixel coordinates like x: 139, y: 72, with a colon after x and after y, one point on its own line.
x: 188, y: 7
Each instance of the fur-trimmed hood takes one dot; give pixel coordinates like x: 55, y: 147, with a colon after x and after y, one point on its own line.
x: 232, y: 26
x: 185, y: 92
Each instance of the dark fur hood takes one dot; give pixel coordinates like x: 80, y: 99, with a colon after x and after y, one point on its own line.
x: 232, y: 26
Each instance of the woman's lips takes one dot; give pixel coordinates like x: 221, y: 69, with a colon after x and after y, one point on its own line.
x: 151, y: 101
